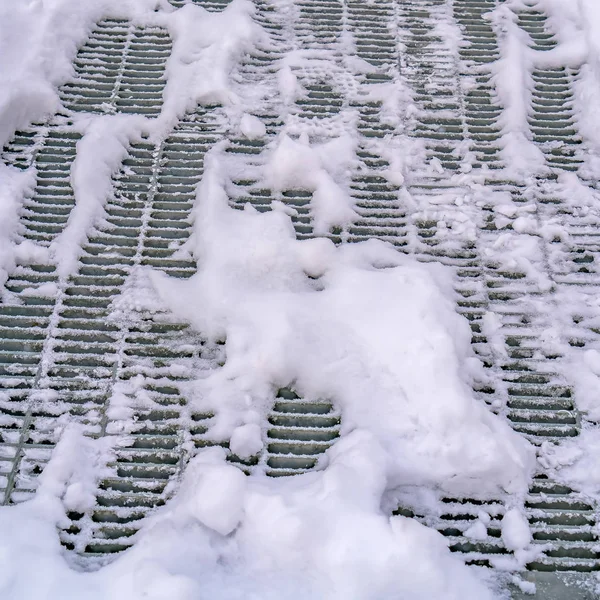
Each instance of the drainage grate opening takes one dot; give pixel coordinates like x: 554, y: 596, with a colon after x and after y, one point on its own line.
x: 119, y: 69
x: 299, y: 432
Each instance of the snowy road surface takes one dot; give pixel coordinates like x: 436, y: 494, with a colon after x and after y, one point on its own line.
x: 299, y: 299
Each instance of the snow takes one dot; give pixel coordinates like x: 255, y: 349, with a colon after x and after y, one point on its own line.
x: 477, y: 531
x: 577, y: 30
x: 298, y: 165
x: 304, y: 537
x: 246, y: 440
x: 206, y: 47
x: 100, y: 153
x: 378, y: 326
x: 252, y: 127
x: 362, y: 326
x: 515, y: 530
x: 575, y: 462
x: 512, y: 82
x: 527, y: 587
x: 13, y: 186
x: 289, y: 88
x: 39, y: 42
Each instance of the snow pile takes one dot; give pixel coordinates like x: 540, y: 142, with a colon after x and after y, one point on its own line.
x: 229, y: 537
x: 252, y: 127
x: 297, y: 165
x: 348, y: 323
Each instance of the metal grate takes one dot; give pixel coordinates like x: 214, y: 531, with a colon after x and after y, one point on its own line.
x: 210, y: 5
x: 80, y: 352
x: 120, y: 69
x: 551, y: 121
x: 299, y: 432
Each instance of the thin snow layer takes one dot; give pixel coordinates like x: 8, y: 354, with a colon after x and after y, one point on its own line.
x: 206, y: 47
x: 512, y: 77
x: 100, y: 154
x: 575, y: 461
x: 577, y: 30
x: 361, y: 325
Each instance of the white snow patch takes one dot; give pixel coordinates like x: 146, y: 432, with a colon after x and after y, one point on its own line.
x: 377, y: 326
x: 226, y: 536
x: 14, y: 186
x: 100, y: 153
x: 252, y: 127
x: 512, y: 78
x: 246, y: 440
x: 206, y: 48
x: 516, y: 534
x: 289, y: 88
x: 477, y: 531
x: 46, y: 290
x: 295, y: 164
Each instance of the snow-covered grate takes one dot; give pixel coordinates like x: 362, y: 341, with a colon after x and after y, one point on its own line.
x: 76, y: 349
x: 86, y: 353
x: 145, y: 468
x: 562, y: 524
x: 210, y: 5
x: 552, y: 121
x: 120, y: 69
x: 51, y: 149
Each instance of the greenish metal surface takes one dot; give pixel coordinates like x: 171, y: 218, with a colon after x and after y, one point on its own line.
x: 64, y: 357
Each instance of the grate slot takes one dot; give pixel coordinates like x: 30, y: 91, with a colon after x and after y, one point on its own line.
x: 119, y: 69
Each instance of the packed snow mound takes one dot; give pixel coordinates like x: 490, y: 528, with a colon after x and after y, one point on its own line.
x: 359, y: 324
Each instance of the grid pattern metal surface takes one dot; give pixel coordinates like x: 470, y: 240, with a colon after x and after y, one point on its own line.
x: 63, y: 357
